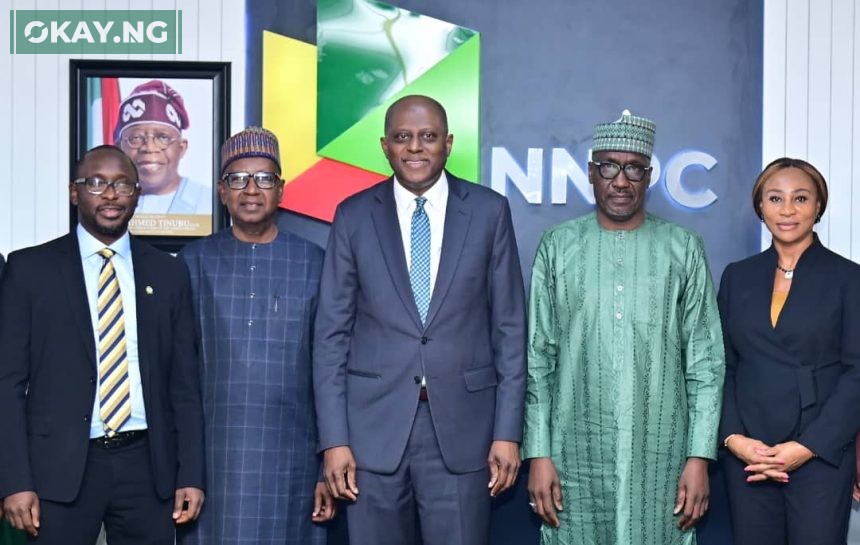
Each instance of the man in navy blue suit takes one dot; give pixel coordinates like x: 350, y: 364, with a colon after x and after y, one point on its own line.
x: 100, y: 409
x: 419, y: 352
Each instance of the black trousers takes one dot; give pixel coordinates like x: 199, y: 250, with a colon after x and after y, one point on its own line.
x: 812, y: 509
x: 117, y: 490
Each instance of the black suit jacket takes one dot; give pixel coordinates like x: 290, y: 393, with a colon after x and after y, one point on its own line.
x: 48, y: 370
x: 799, y: 380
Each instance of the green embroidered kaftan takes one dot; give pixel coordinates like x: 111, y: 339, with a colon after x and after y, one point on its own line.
x: 625, y: 376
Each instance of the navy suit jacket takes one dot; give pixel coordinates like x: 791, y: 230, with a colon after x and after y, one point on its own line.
x: 370, y: 348
x: 48, y: 370
x: 799, y: 380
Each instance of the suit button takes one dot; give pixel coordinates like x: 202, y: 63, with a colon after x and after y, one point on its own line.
x: 86, y: 419
x: 417, y: 379
x: 423, y: 340
x: 92, y: 380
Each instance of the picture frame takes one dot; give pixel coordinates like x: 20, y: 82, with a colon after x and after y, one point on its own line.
x: 189, y: 106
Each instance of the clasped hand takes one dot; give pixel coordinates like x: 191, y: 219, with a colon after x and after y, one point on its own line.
x: 766, y: 462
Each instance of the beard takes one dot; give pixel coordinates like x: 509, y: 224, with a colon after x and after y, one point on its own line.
x: 113, y: 230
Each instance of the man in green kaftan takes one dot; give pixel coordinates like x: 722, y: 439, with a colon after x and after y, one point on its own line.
x: 625, y: 364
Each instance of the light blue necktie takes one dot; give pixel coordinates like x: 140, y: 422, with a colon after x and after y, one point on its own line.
x: 419, y: 273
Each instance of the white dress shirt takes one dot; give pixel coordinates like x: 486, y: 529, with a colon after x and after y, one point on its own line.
x: 122, y: 264
x: 437, y: 203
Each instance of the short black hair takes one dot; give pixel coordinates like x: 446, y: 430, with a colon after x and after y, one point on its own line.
x: 429, y: 100
x: 108, y: 148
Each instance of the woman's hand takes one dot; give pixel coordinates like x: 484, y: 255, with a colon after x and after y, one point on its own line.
x: 792, y: 454
x: 856, y: 493
x: 762, y: 461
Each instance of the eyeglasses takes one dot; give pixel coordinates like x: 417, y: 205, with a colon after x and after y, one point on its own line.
x: 633, y: 171
x: 162, y: 140
x: 239, y: 180
x: 96, y: 186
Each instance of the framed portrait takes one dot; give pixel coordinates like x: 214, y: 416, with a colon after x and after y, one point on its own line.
x: 170, y: 118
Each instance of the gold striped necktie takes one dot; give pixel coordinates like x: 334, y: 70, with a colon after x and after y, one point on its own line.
x: 114, y: 397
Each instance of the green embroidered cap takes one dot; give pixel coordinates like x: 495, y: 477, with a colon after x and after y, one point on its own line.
x: 629, y: 133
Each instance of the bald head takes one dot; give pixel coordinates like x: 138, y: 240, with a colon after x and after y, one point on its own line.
x: 102, y: 151
x: 408, y: 101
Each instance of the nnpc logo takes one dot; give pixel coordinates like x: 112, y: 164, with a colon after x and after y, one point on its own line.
x: 95, y: 31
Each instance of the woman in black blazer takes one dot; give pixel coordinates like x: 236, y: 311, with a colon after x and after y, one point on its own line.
x: 791, y: 402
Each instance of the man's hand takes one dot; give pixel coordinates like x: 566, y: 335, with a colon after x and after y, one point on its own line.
x: 545, y: 490
x: 339, y: 472
x: 186, y: 504
x: 504, y: 462
x: 693, y: 493
x: 22, y: 511
x: 325, y: 507
x: 761, y: 460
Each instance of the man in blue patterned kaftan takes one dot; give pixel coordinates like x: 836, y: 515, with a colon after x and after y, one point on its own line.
x: 255, y: 292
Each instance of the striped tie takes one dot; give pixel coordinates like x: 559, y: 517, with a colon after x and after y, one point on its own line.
x: 114, y: 397
x: 419, y: 273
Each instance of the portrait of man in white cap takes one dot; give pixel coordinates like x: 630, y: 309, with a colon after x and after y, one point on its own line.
x: 149, y: 129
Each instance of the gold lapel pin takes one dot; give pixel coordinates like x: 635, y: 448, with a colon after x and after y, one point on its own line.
x: 149, y: 290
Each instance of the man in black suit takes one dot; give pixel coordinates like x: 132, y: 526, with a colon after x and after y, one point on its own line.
x: 100, y: 409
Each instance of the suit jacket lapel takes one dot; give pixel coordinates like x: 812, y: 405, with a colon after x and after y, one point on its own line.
x: 764, y: 288
x: 146, y: 315
x: 457, y: 217
x: 72, y: 276
x: 391, y: 242
x: 763, y: 300
x: 798, y: 296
